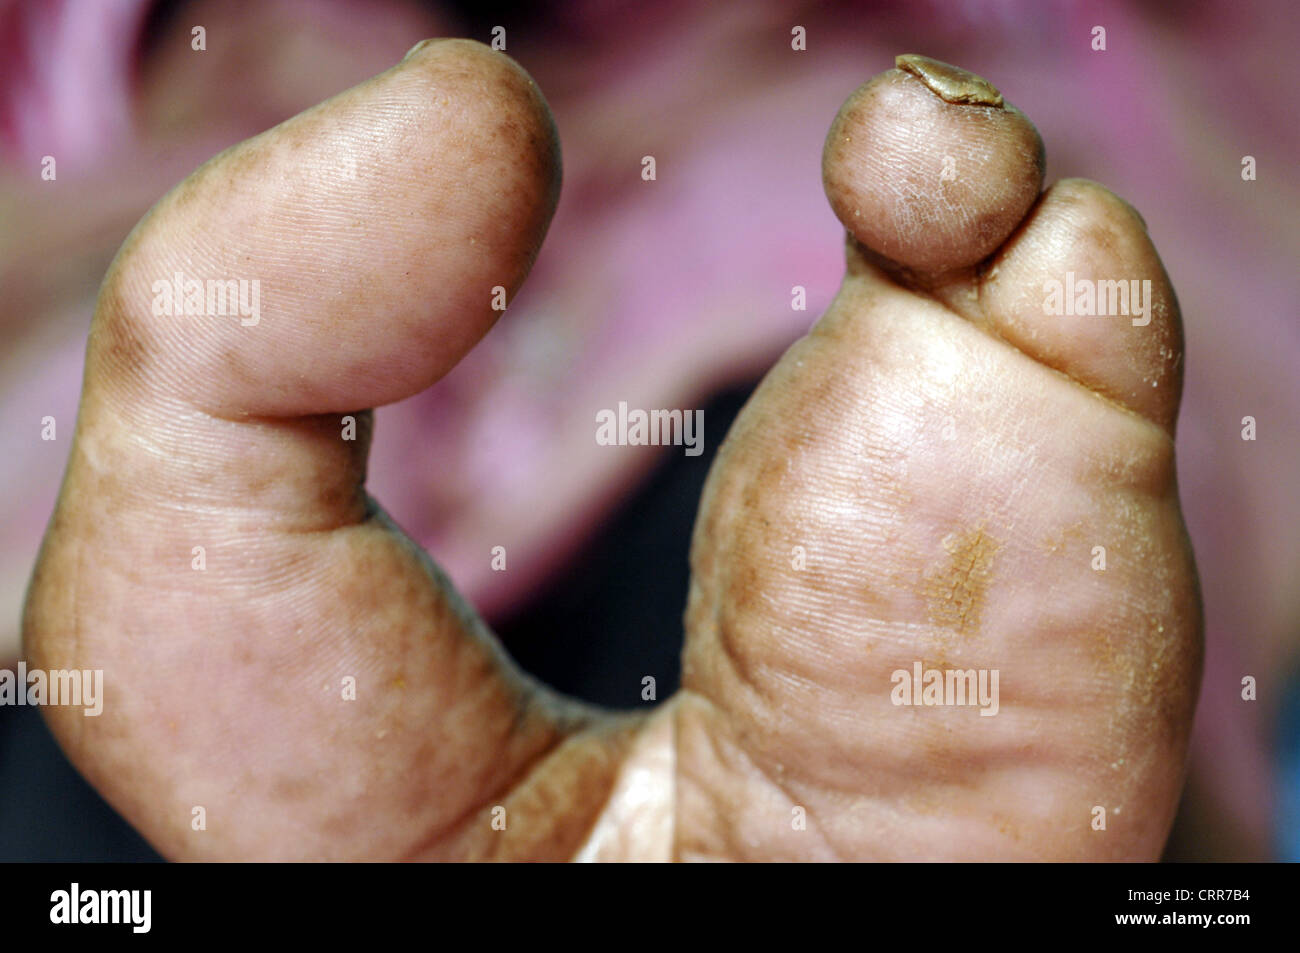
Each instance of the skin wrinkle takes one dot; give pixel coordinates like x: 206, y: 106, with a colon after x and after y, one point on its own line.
x: 905, y: 279
x: 771, y: 777
x: 506, y: 790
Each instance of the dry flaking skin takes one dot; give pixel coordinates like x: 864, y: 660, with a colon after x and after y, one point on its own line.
x: 950, y: 83
x: 955, y: 594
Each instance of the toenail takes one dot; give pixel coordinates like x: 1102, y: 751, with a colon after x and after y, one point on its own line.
x: 950, y: 83
x: 415, y: 49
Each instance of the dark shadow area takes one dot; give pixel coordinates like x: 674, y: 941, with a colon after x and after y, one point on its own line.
x: 47, y: 812
x: 614, y: 615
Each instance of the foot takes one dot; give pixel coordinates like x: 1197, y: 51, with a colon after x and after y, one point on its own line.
x: 923, y: 479
x: 943, y: 476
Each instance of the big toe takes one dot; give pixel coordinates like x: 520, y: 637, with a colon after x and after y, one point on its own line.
x: 928, y: 166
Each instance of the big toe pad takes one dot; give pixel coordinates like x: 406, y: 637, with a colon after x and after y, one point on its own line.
x: 377, y: 228
x: 928, y: 166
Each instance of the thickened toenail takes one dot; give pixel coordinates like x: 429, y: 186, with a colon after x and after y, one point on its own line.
x: 419, y: 46
x: 950, y: 83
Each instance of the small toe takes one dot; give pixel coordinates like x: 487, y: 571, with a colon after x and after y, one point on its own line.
x: 1081, y: 288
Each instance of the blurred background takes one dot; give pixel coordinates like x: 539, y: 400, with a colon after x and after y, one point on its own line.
x: 677, y: 294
